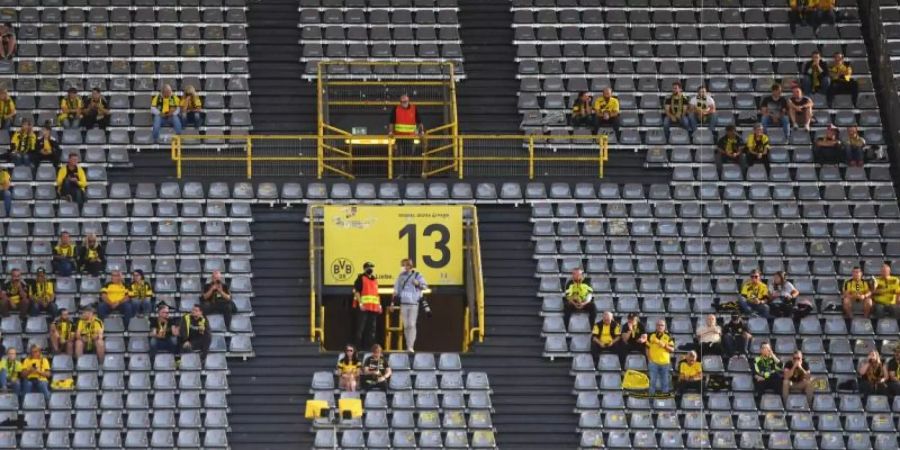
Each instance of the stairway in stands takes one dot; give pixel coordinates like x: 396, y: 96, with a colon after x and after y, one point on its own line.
x: 269, y: 391
x: 487, y: 97
x: 282, y: 102
x: 531, y: 395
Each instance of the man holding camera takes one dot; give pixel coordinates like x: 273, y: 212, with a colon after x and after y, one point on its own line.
x: 408, y: 291
x: 216, y: 299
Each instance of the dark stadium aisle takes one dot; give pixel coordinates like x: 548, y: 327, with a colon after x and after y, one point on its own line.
x: 532, y: 396
x: 487, y: 97
x: 282, y: 102
x: 268, y: 392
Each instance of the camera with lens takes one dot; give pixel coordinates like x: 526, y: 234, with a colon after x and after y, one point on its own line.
x: 426, y: 307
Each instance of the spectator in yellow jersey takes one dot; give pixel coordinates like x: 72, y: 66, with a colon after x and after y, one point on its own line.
x: 71, y: 181
x: 43, y: 297
x: 758, y: 147
x: 825, y: 12
x: 62, y: 334
x: 886, y: 293
x: 754, y: 296
x: 22, y: 144
x: 855, y: 147
x: 703, y: 111
x: 89, y: 335
x: 675, y: 111
x: 347, y: 370
x: 606, y: 337
x: 829, y: 148
x: 164, y: 331
x: 579, y: 297
x: 64, y: 263
x: 36, y: 373
x: 856, y: 290
x: 70, y: 110
x: 166, y: 110
x: 11, y: 373
x: 802, y: 12
x: 115, y: 297
x: 583, y: 111
x: 730, y: 149
x: 96, y: 111
x: 91, y: 256
x: 7, y: 190
x: 690, y: 373
x: 815, y: 77
x: 193, y: 332
x: 800, y: 108
x: 141, y: 293
x: 797, y: 378
x: 842, y: 81
x: 659, y: 359
x: 7, y: 110
x: 191, y: 108
x: 14, y: 296
x: 48, y: 149
x: 606, y: 108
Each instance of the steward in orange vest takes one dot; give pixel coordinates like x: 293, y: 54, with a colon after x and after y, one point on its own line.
x: 368, y: 302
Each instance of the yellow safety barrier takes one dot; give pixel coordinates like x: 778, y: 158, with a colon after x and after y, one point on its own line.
x: 383, y: 156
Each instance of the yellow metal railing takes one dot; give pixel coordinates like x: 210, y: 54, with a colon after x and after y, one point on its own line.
x: 476, y: 331
x: 342, y: 153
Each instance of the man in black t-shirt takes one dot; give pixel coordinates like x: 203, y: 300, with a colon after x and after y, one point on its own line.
x: 375, y: 370
x: 773, y: 111
x: 216, y: 298
x: 163, y: 333
x: 194, y: 333
x: 797, y: 378
x: 800, y: 108
x: 735, y: 337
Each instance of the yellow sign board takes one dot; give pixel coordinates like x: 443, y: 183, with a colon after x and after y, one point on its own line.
x: 430, y: 235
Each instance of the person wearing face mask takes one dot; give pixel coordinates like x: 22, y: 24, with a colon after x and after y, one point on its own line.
x: 368, y: 302
x: 408, y: 290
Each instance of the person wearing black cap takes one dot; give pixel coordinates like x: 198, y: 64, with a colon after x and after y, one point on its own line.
x: 735, y: 337
x: 368, y: 302
x: 43, y: 298
x: 70, y: 110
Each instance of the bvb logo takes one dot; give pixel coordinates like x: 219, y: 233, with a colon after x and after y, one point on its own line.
x: 341, y: 269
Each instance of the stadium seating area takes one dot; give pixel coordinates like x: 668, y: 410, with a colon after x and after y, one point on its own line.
x: 380, y: 30
x: 176, y: 233
x: 437, y: 401
x: 890, y: 16
x: 129, y: 49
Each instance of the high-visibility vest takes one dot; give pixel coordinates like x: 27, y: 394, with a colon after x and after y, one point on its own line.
x: 369, y: 300
x: 405, y: 120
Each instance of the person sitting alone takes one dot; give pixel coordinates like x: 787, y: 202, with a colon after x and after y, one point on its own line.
x: 91, y: 256
x: 767, y: 371
x: 348, y: 370
x: 6, y: 190
x: 758, y: 147
x: 855, y: 147
x: 730, y: 149
x: 690, y: 373
x: 376, y: 373
x: 70, y: 110
x: 579, y: 297
x: 828, y: 148
x: 7, y: 41
x: 71, y: 181
x: 164, y: 332
x: 89, y: 335
x: 7, y: 109
x: 216, y: 299
x: 48, y: 149
x: 62, y: 334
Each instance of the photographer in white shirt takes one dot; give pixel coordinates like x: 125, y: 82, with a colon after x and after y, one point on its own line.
x: 408, y: 290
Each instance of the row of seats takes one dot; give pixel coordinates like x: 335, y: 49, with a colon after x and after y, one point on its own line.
x: 139, y: 14
x: 324, y: 439
x: 139, y: 438
x: 373, y: 17
x: 75, y: 33
x: 730, y: 439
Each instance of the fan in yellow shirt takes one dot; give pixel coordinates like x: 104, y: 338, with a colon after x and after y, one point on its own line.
x: 754, y: 296
x: 89, y: 334
x: 115, y: 296
x: 659, y: 359
x: 348, y: 368
x: 842, y: 81
x: 6, y: 190
x: 758, y: 147
x: 70, y: 110
x: 886, y: 293
x: 690, y: 373
x: 607, y: 109
x: 10, y: 372
x: 36, y: 372
x: 856, y: 289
